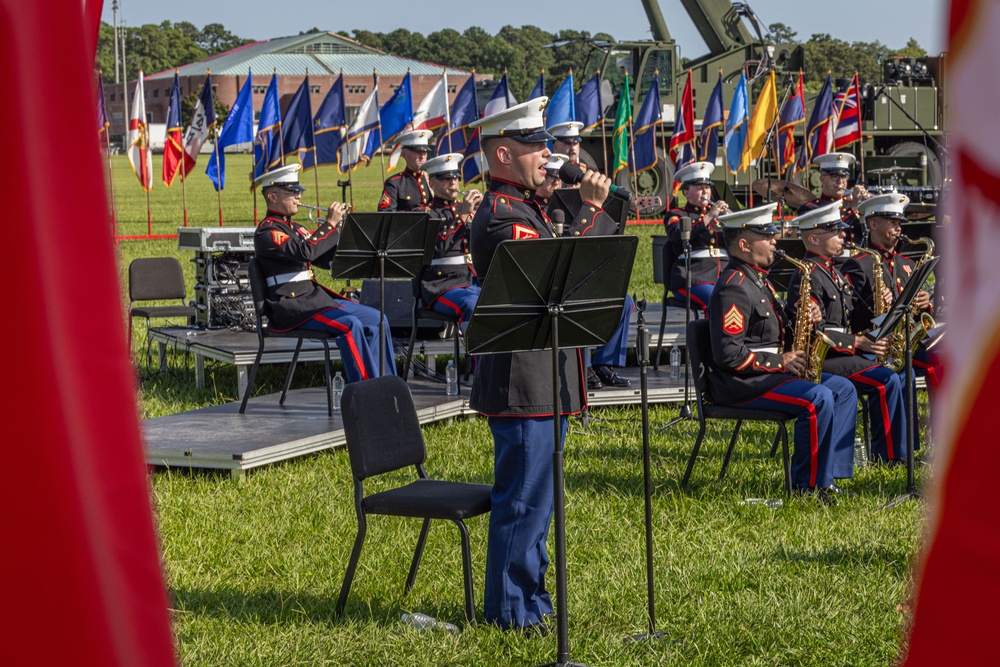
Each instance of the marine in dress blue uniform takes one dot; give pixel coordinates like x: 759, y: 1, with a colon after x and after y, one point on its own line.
x: 708, y: 253
x: 514, y: 390
x: 822, y: 231
x: 750, y: 367
x: 448, y: 285
x: 834, y: 170
x: 566, y: 141
x: 884, y: 215
x: 409, y: 190
x: 286, y: 252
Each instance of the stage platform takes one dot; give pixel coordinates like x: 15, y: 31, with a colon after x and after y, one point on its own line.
x: 219, y: 437
x: 239, y: 348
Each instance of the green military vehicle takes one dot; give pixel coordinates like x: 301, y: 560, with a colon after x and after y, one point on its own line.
x: 897, y: 150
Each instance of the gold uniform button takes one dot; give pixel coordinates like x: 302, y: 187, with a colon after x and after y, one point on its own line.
x: 576, y: 233
x: 293, y: 293
x: 584, y: 221
x: 768, y: 364
x: 407, y: 197
x: 592, y: 209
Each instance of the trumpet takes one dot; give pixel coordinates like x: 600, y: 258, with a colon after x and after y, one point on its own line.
x: 320, y: 209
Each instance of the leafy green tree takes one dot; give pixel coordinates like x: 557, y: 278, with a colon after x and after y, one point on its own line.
x: 368, y: 38
x: 782, y: 34
x: 912, y: 49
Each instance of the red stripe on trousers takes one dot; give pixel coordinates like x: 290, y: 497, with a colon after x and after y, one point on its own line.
x: 350, y: 341
x: 698, y: 301
x: 884, y: 405
x: 813, y: 430
x: 453, y: 306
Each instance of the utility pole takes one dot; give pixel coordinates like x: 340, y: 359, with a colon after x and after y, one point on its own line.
x: 114, y: 10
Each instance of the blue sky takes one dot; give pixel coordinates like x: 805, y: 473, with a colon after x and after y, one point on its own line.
x: 891, y: 22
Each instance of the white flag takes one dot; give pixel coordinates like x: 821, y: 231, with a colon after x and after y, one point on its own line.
x: 430, y: 115
x: 139, y: 153
x: 359, y: 134
x: 197, y: 132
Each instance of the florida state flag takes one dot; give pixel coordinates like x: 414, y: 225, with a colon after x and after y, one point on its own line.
x: 959, y: 583
x: 82, y: 580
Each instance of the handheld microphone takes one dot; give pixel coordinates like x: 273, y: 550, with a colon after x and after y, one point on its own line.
x: 559, y: 221
x: 572, y: 174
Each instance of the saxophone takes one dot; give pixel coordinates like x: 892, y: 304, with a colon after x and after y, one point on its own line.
x: 925, y: 320
x: 880, y: 305
x: 808, y: 338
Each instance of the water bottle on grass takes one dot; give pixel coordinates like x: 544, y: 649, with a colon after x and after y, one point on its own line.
x: 424, y: 623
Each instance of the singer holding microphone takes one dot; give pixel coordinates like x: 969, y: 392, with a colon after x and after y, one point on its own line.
x: 285, y: 251
x: 695, y: 226
x: 514, y: 390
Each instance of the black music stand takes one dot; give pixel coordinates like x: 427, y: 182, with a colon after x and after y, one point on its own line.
x: 384, y: 245
x: 886, y: 325
x: 553, y: 294
x: 569, y: 201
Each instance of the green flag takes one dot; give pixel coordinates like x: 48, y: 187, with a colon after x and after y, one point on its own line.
x: 619, y: 140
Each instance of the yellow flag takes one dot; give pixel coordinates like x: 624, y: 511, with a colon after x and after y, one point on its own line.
x: 761, y: 120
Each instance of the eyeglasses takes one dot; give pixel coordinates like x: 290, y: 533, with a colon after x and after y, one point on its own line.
x: 291, y: 193
x: 446, y: 178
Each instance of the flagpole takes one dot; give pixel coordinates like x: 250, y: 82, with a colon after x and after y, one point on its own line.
x: 447, y: 108
x: 668, y: 188
x: 111, y: 175
x: 381, y: 155
x: 635, y: 177
x: 600, y: 115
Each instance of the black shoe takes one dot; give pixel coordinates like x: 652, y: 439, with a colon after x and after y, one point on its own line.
x: 610, y: 378
x: 593, y: 382
x: 819, y: 494
x: 836, y: 490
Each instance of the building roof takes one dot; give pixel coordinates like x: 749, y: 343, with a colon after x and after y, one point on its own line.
x: 319, y: 52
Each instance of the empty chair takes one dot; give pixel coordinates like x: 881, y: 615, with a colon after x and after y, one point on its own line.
x: 156, y: 279
x: 258, y: 288
x: 383, y: 435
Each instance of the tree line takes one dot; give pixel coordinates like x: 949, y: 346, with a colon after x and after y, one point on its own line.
x: 523, y: 52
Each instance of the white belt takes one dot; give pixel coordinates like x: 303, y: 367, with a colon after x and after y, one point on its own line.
x: 706, y: 252
x: 836, y: 329
x: 449, y: 261
x: 283, y: 278
x: 772, y: 350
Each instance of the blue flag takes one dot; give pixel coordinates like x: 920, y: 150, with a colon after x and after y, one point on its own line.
x: 643, y: 150
x: 297, y: 128
x: 736, y: 126
x: 472, y: 163
x: 267, y: 153
x: 500, y: 99
x: 328, y: 126
x: 238, y: 129
x: 819, y: 132
x: 539, y: 89
x: 588, y: 103
x: 464, y: 110
x: 711, y: 124
x: 397, y: 113
x: 562, y: 104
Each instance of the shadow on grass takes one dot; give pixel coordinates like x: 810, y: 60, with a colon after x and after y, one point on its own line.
x: 857, y: 555
x: 282, y: 607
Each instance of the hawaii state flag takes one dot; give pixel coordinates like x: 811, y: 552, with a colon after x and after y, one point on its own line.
x: 848, y: 105
x: 139, y: 154
x: 792, y: 113
x: 682, y: 141
x: 958, y: 578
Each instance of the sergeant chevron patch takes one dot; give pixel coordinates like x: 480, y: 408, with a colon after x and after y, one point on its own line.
x: 278, y: 237
x: 524, y: 232
x: 732, y: 321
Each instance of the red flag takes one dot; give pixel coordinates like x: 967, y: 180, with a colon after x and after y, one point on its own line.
x: 959, y: 585
x: 174, y: 156
x: 82, y: 576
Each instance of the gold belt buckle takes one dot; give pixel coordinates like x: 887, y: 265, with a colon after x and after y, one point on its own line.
x: 714, y: 252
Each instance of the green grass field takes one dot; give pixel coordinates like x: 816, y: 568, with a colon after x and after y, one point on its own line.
x: 254, y: 566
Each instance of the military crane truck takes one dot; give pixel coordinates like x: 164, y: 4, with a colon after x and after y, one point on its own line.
x: 891, y: 110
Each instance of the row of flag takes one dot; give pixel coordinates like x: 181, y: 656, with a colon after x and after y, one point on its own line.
x: 835, y: 124
x: 326, y: 138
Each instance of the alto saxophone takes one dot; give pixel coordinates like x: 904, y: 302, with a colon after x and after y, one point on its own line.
x: 808, y: 338
x: 925, y: 320
x: 880, y: 305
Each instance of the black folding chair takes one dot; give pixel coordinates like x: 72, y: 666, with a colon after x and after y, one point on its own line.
x: 156, y: 279
x: 258, y: 288
x: 700, y: 349
x: 383, y: 435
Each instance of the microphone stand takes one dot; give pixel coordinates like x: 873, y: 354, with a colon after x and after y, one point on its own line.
x: 642, y: 352
x: 685, y: 411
